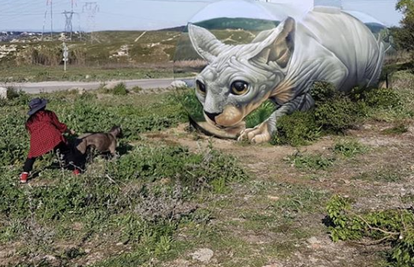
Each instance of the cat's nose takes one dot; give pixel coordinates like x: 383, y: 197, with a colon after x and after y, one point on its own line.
x: 212, y: 116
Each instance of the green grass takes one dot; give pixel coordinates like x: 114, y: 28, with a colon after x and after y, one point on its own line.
x: 140, y: 199
x: 148, y: 57
x: 393, y: 227
x: 80, y: 73
x: 310, y: 161
x: 349, y: 148
x: 395, y: 130
x: 386, y: 174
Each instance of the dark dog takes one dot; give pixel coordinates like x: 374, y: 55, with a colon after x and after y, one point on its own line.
x: 102, y: 142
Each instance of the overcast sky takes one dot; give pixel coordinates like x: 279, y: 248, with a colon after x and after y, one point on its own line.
x: 151, y: 14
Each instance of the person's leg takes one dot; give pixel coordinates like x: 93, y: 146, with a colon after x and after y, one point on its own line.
x: 27, y: 168
x: 78, y: 158
x: 28, y: 165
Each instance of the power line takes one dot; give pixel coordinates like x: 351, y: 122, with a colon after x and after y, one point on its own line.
x: 91, y: 9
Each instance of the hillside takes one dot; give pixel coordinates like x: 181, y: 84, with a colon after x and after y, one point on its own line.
x: 119, y: 54
x: 238, y: 23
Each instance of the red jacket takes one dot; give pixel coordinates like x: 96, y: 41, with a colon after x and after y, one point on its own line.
x: 45, y: 132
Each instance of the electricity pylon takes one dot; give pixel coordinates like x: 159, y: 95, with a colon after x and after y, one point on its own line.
x: 91, y: 9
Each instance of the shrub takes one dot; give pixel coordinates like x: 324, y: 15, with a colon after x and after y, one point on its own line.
x: 12, y: 92
x: 337, y: 115
x: 334, y: 112
x: 393, y: 226
x: 120, y: 89
x: 14, y: 141
x: 382, y: 98
x: 88, y: 116
x: 299, y: 128
x: 323, y: 91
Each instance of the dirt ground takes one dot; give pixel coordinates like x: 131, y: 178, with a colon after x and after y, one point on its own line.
x: 276, y: 218
x: 380, y: 178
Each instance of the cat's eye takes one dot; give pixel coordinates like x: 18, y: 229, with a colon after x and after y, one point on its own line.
x: 201, y: 87
x: 239, y: 87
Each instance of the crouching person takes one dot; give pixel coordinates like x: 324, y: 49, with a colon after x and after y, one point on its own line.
x: 46, y: 131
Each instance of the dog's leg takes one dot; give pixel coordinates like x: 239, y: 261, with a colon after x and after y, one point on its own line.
x: 112, y: 151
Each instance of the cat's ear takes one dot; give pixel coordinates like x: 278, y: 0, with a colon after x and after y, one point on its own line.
x: 205, y: 43
x: 279, y: 45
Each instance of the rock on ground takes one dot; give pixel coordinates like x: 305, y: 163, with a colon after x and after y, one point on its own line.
x: 3, y: 93
x: 178, y: 84
x: 203, y: 254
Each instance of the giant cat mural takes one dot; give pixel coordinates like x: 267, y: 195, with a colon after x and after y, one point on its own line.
x: 281, y: 64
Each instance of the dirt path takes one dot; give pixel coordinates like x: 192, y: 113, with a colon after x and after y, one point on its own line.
x: 53, y: 86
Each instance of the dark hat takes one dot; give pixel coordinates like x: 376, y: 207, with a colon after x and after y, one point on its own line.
x: 36, y: 104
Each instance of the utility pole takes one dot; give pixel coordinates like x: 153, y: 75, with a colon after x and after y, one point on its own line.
x: 44, y: 23
x: 48, y: 2
x: 91, y: 9
x: 51, y: 18
x: 68, y: 22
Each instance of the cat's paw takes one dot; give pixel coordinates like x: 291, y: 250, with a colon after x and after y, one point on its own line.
x: 256, y: 135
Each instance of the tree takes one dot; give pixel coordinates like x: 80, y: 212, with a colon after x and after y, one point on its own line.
x: 404, y: 36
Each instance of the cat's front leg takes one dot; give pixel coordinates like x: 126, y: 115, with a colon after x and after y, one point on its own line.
x: 259, y: 134
x: 264, y: 131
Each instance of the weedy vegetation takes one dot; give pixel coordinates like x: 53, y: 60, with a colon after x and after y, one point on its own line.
x: 138, y: 200
x: 310, y: 161
x: 336, y: 112
x: 393, y: 227
x: 349, y: 148
x: 157, y: 200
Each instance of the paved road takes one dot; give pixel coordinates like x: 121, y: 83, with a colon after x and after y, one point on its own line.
x: 39, y: 87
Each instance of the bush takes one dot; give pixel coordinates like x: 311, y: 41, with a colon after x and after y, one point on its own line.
x: 299, y: 128
x: 334, y: 112
x: 88, y: 116
x: 120, y: 89
x: 337, y: 115
x: 382, y: 98
x: 323, y: 91
x: 393, y: 226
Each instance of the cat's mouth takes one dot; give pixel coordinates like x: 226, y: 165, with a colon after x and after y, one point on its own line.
x: 230, y: 117
x: 223, y: 131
